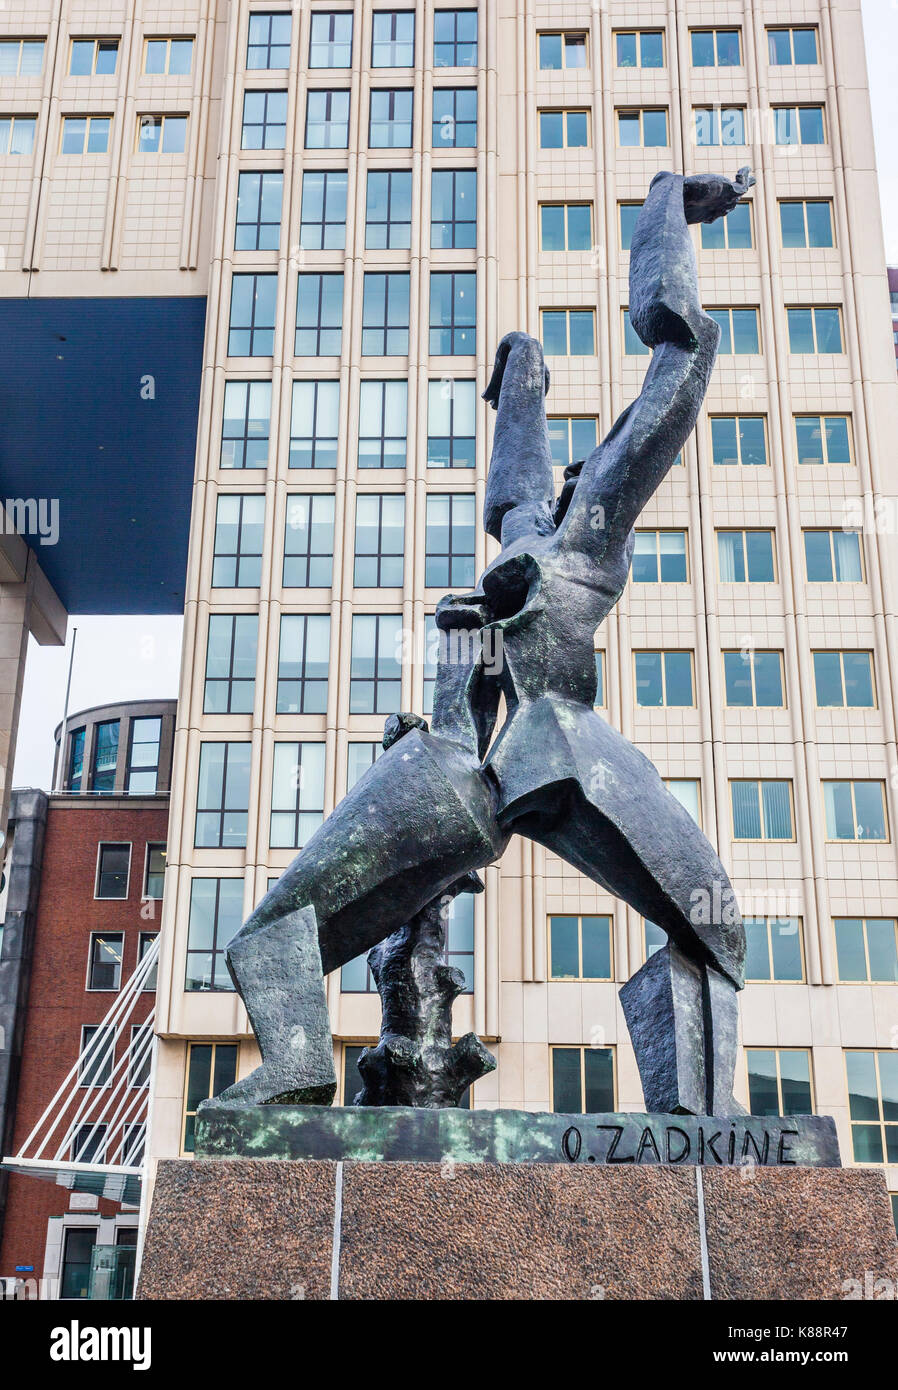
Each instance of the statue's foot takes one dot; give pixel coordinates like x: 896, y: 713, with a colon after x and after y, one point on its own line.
x: 269, y: 1085
x: 706, y: 197
x: 277, y: 970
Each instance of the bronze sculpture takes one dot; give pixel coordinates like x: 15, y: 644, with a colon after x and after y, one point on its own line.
x: 444, y: 802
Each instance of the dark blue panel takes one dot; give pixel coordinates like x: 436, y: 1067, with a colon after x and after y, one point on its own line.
x: 74, y: 425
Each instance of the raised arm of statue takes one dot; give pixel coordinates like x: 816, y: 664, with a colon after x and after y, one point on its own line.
x: 621, y: 475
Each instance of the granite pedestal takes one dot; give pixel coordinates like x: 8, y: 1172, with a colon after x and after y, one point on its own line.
x: 469, y: 1224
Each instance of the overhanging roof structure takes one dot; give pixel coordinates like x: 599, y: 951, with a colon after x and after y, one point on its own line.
x: 98, y: 409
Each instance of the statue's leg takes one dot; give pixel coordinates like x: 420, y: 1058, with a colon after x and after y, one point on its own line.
x: 419, y: 819
x: 681, y: 1006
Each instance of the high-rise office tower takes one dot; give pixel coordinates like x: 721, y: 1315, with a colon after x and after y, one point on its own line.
x: 371, y: 197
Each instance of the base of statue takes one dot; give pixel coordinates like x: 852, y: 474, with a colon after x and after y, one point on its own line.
x: 399, y: 1134
x: 287, y: 1202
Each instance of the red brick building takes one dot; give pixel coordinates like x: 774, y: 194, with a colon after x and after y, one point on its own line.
x: 96, y: 913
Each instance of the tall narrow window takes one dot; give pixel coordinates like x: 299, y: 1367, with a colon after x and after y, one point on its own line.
x: 379, y: 540
x: 77, y: 1260
x: 314, y: 424
x: 385, y: 315
x: 222, y: 799
x: 154, y: 877
x: 258, y: 226
x: 239, y: 531
x: 211, y: 1068
x: 375, y: 671
x: 873, y: 1105
x: 454, y: 118
x: 113, y: 870
x: 246, y: 423
x: 319, y: 315
x: 453, y: 209
x: 449, y: 541
x: 106, y: 737
x: 76, y: 760
x: 140, y: 1054
x: 323, y: 216
x: 451, y: 427
x: 383, y: 424
x: 297, y: 794
x: 627, y: 215
x: 251, y: 327
x: 453, y: 313
x: 327, y: 120
x: 143, y: 756
x: 95, y: 1062
x: 388, y: 211
x: 303, y: 660
x: 216, y: 915
x: 104, y: 969
x: 309, y: 541
x: 231, y: 663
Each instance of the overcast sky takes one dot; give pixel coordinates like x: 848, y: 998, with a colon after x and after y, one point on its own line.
x: 138, y: 658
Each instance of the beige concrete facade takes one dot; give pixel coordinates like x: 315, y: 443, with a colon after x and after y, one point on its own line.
x: 167, y: 225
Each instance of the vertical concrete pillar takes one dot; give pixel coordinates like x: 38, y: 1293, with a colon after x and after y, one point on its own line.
x: 28, y: 604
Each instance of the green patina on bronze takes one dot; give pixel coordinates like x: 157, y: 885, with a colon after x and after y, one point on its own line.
x: 400, y: 1134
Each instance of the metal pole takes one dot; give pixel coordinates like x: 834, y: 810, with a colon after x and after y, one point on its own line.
x: 60, y: 763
